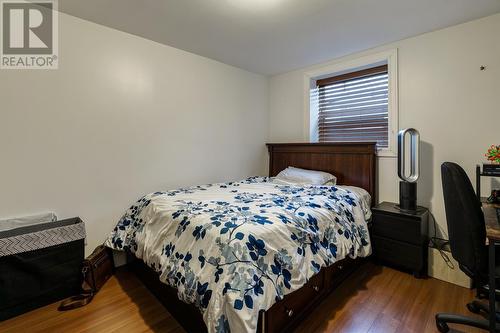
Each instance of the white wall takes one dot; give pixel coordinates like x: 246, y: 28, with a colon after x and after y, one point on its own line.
x: 124, y: 116
x: 121, y: 117
x: 442, y: 93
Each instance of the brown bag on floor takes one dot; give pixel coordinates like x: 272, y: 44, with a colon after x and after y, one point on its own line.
x: 97, y: 269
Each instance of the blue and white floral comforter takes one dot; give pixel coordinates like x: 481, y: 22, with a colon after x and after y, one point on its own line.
x: 236, y: 248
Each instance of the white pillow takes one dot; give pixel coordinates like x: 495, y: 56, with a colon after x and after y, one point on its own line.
x: 296, y: 176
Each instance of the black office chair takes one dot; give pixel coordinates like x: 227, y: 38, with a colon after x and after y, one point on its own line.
x: 467, y: 234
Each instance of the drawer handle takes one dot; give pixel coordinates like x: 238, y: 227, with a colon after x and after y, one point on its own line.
x: 289, y: 312
x: 316, y: 288
x: 341, y: 267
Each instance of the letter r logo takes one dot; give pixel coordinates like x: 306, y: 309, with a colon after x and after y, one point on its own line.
x: 27, y: 28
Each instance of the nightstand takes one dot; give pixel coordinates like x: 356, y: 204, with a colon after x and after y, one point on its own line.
x: 400, y: 238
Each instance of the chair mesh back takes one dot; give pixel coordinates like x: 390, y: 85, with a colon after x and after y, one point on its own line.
x: 465, y: 219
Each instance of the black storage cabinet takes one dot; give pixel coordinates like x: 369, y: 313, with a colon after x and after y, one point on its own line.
x: 399, y: 238
x: 46, y: 267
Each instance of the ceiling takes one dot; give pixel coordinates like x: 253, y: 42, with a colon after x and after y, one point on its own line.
x: 274, y: 36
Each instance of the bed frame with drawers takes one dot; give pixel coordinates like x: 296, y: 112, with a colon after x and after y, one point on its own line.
x: 353, y: 163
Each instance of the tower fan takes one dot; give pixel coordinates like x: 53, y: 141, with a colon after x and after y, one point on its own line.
x: 409, y: 177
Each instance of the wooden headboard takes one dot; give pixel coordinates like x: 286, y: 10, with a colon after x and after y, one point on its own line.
x: 353, y: 163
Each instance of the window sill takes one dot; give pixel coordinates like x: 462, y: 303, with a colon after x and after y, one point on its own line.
x: 386, y: 153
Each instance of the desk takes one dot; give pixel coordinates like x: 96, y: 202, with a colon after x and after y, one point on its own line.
x: 480, y: 174
x: 493, y: 235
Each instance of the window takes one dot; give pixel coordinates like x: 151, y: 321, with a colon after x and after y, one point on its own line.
x: 354, y: 107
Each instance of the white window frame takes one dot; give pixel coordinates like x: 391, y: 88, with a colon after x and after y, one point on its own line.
x: 389, y: 57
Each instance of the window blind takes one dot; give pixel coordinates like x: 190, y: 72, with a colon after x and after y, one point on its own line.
x: 354, y: 107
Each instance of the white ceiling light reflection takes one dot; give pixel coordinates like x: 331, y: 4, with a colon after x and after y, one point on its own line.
x: 255, y: 5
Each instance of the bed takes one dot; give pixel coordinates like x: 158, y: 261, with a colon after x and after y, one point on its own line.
x: 253, y: 255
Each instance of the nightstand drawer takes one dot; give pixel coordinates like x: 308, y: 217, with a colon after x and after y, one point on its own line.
x: 397, y: 227
x: 398, y: 253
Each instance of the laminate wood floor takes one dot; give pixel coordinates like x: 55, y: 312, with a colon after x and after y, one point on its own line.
x: 374, y: 299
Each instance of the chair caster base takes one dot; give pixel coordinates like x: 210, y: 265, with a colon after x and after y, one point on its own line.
x: 443, y: 319
x: 442, y: 327
x: 472, y: 307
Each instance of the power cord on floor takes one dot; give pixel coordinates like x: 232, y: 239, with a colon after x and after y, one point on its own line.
x: 439, y: 244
